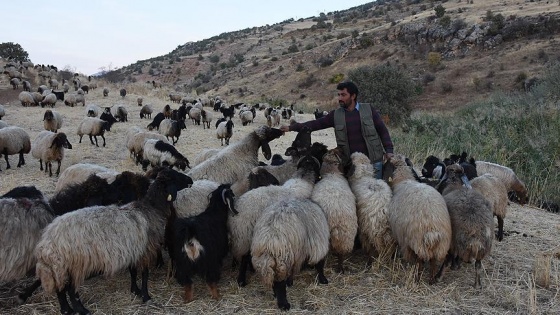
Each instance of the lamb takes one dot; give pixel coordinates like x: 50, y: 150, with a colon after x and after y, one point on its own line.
x: 171, y: 128
x: 494, y: 190
x: 372, y: 202
x: 22, y: 220
x: 122, y: 92
x: 131, y: 236
x: 48, y: 100
x: 26, y: 99
x: 135, y: 143
x: 288, y: 234
x: 206, y: 118
x: 49, y: 146
x: 146, y: 111
x: 157, y: 152
x: 119, y: 112
x: 507, y: 176
x: 93, y: 127
x: 418, y: 217
x: 333, y: 194
x: 52, y: 120
x: 224, y: 131
x: 471, y: 220
x: 14, y: 140
x: 105, y: 92
x: 251, y: 204
x: 201, y: 243
x: 235, y: 161
x: 156, y: 122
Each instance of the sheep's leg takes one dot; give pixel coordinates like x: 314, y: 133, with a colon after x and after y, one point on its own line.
x: 213, y: 287
x: 279, y: 288
x: 81, y: 139
x: 434, y: 268
x: 49, y: 165
x: 500, y: 229
x: 91, y: 139
x: 320, y: 267
x: 189, y: 296
x: 58, y: 168
x: 477, y: 266
x: 21, y: 159
x: 242, y: 276
x: 145, y: 296
x: 102, y: 136
x: 133, y: 285
x: 6, y: 158
x: 27, y: 292
x: 159, y: 259
x: 75, y: 300
x: 63, y: 302
x: 340, y: 261
x: 41, y: 164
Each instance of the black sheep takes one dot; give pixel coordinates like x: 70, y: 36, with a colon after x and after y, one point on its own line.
x: 123, y: 92
x: 157, y: 120
x: 30, y: 192
x: 109, y: 118
x: 228, y: 112
x: 201, y: 243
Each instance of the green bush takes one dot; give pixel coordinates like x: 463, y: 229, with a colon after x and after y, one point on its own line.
x: 337, y: 78
x: 440, y: 10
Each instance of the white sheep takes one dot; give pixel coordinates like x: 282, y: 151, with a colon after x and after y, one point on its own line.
x: 246, y: 117
x: 93, y: 110
x: 418, y: 217
x: 195, y: 114
x: 288, y: 234
x: 372, y: 202
x: 235, y: 161
x: 206, y: 118
x: 52, y: 120
x: 333, y: 194
x: 49, y: 100
x: 79, y: 173
x: 49, y: 146
x: 225, y: 131
x: 93, y: 127
x: 507, y: 176
x: 193, y: 200
x: 26, y: 98
x: 14, y: 140
x: 494, y: 190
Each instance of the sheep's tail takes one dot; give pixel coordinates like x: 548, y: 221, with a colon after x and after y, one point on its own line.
x: 52, y: 280
x: 433, y: 245
x: 267, y: 266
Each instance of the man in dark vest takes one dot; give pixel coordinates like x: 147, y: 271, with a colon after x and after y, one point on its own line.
x: 358, y: 127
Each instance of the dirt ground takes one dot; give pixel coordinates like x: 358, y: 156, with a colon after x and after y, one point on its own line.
x: 514, y: 279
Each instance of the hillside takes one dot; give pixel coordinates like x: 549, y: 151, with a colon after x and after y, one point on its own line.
x: 475, y: 48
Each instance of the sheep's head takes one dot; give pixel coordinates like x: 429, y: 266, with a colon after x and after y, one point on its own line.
x: 431, y: 163
x: 310, y: 165
x: 166, y: 178
x: 361, y: 166
x: 333, y: 161
x: 454, y: 177
x: 301, y: 144
x: 265, y: 135
x: 395, y: 170
x: 61, y: 141
x: 48, y: 115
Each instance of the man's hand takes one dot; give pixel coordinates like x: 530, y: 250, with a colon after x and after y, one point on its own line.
x: 388, y: 156
x: 284, y: 128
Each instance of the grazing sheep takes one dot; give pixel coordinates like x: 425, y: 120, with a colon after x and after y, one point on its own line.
x: 93, y: 110
x: 494, y: 190
x: 14, y: 140
x: 15, y: 82
x: 507, y: 176
x: 225, y: 131
x: 80, y: 98
x: 156, y: 121
x: 93, y: 127
x: 80, y: 172
x: 201, y: 243
x: 135, y: 143
x: 49, y: 146
x: 175, y: 98
x: 471, y: 220
x: 146, y: 111
x: 26, y: 86
x: 26, y: 99
x: 206, y: 118
x: 122, y: 92
x: 53, y: 83
x: 372, y: 202
x: 288, y: 234
x: 104, y: 240
x: 119, y: 112
x: 160, y: 153
x: 70, y: 100
x: 105, y: 92
x: 171, y: 128
x: 333, y: 194
x: 22, y: 220
x: 418, y: 217
x: 48, y: 100
x: 156, y: 84
x: 52, y: 120
x: 251, y: 205
x: 235, y: 161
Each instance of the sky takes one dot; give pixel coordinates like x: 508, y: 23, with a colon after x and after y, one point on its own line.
x: 87, y: 36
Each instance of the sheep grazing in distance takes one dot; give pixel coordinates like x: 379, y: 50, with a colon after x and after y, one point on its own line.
x: 159, y: 153
x: 49, y: 146
x: 201, y: 243
x: 494, y: 190
x: 105, y: 92
x: 24, y: 213
x: 196, y: 115
x: 79, y: 173
x: 225, y: 131
x: 234, y: 162
x: 26, y: 86
x: 471, y: 220
x: 85, y: 88
x: 246, y: 117
x: 228, y: 112
x: 93, y: 110
x: 93, y: 127
x: 14, y: 140
x: 48, y: 100
x: 52, y: 120
x: 156, y: 121
x: 333, y: 194
x: 122, y: 92
x: 146, y: 111
x: 15, y: 82
x: 288, y: 234
x: 123, y: 237
x: 206, y: 118
x: 507, y: 176
x: 171, y: 128
x: 156, y: 84
x: 418, y: 217
x: 26, y: 99
x: 372, y: 203
x: 119, y: 112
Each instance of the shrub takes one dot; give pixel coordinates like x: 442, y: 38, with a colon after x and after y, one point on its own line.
x: 274, y: 59
x: 214, y: 58
x: 446, y: 87
x: 434, y: 59
x: 337, y: 78
x: 293, y: 48
x: 300, y: 67
x: 427, y: 78
x: 307, y: 82
x: 440, y: 10
x: 445, y: 21
x: 325, y: 61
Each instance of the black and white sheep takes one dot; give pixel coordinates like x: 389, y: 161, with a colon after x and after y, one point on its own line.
x: 201, y: 243
x: 48, y: 147
x: 135, y: 143
x: 160, y: 153
x: 224, y: 130
x: 108, y: 117
x: 288, y: 234
x: 418, y: 217
x: 52, y: 120
x: 93, y: 127
x: 235, y: 161
x: 104, y: 240
x: 171, y: 128
x: 14, y: 140
x: 471, y: 220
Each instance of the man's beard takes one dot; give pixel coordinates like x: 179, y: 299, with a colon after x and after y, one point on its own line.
x: 342, y: 104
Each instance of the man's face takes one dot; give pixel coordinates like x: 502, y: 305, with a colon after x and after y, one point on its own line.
x: 344, y: 98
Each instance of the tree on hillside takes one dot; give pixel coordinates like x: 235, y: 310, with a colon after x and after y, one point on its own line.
x: 13, y: 51
x: 387, y: 87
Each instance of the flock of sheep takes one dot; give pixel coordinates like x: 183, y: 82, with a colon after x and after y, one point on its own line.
x: 276, y: 218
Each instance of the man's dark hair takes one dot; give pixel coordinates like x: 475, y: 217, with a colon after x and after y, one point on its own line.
x: 350, y: 87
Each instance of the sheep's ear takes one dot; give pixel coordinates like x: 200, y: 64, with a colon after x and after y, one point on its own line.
x: 171, y: 192
x: 266, y: 150
x: 227, y: 198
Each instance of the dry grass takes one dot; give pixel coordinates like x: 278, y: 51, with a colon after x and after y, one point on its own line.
x: 521, y: 276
